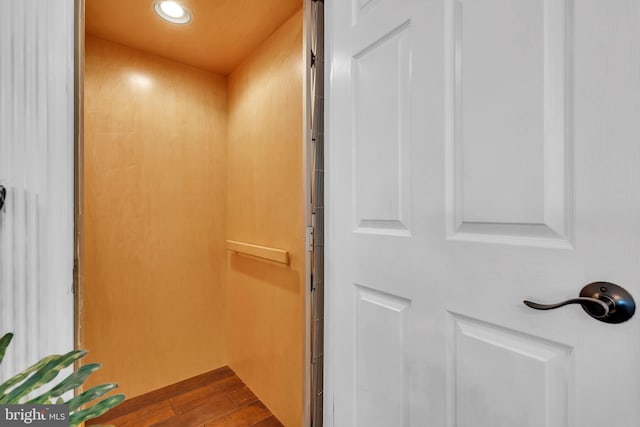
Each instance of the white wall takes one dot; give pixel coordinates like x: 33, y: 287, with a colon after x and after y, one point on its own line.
x: 36, y: 166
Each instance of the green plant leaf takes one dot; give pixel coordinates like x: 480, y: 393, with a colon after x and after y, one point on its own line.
x: 4, y: 343
x: 73, y: 381
x: 42, y: 376
x: 46, y: 370
x: 18, y: 378
x: 95, y: 410
x: 89, y: 395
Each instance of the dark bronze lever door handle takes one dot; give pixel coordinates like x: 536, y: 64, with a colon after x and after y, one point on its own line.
x: 603, y: 301
x: 3, y: 195
x: 595, y: 307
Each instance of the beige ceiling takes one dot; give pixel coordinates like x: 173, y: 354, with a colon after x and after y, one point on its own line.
x: 220, y: 34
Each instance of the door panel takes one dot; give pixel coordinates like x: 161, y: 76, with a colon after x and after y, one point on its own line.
x: 508, y: 121
x: 481, y: 355
x: 375, y: 185
x: 480, y: 153
x: 381, y: 79
x: 381, y: 378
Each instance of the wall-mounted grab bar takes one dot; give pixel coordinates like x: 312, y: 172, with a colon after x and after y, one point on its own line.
x: 272, y: 254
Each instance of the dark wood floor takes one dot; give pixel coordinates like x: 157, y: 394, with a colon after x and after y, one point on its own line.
x: 214, y: 399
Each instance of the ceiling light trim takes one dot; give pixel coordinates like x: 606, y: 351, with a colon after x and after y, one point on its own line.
x: 184, y: 19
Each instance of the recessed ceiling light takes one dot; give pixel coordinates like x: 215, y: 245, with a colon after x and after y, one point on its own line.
x: 172, y: 11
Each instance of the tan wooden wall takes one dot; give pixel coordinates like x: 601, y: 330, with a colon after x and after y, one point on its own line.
x: 265, y: 207
x: 154, y: 218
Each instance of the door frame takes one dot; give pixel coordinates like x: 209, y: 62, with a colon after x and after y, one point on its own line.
x: 329, y: 222
x: 78, y: 169
x: 307, y: 171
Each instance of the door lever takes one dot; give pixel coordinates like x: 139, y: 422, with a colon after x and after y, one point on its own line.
x: 603, y: 301
x: 595, y: 307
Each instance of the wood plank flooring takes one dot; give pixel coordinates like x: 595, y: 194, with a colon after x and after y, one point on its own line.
x: 214, y: 399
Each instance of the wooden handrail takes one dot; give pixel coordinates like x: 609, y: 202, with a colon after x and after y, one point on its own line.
x: 272, y: 254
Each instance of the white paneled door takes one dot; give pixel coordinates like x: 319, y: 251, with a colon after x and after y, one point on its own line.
x: 36, y: 168
x: 481, y: 153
